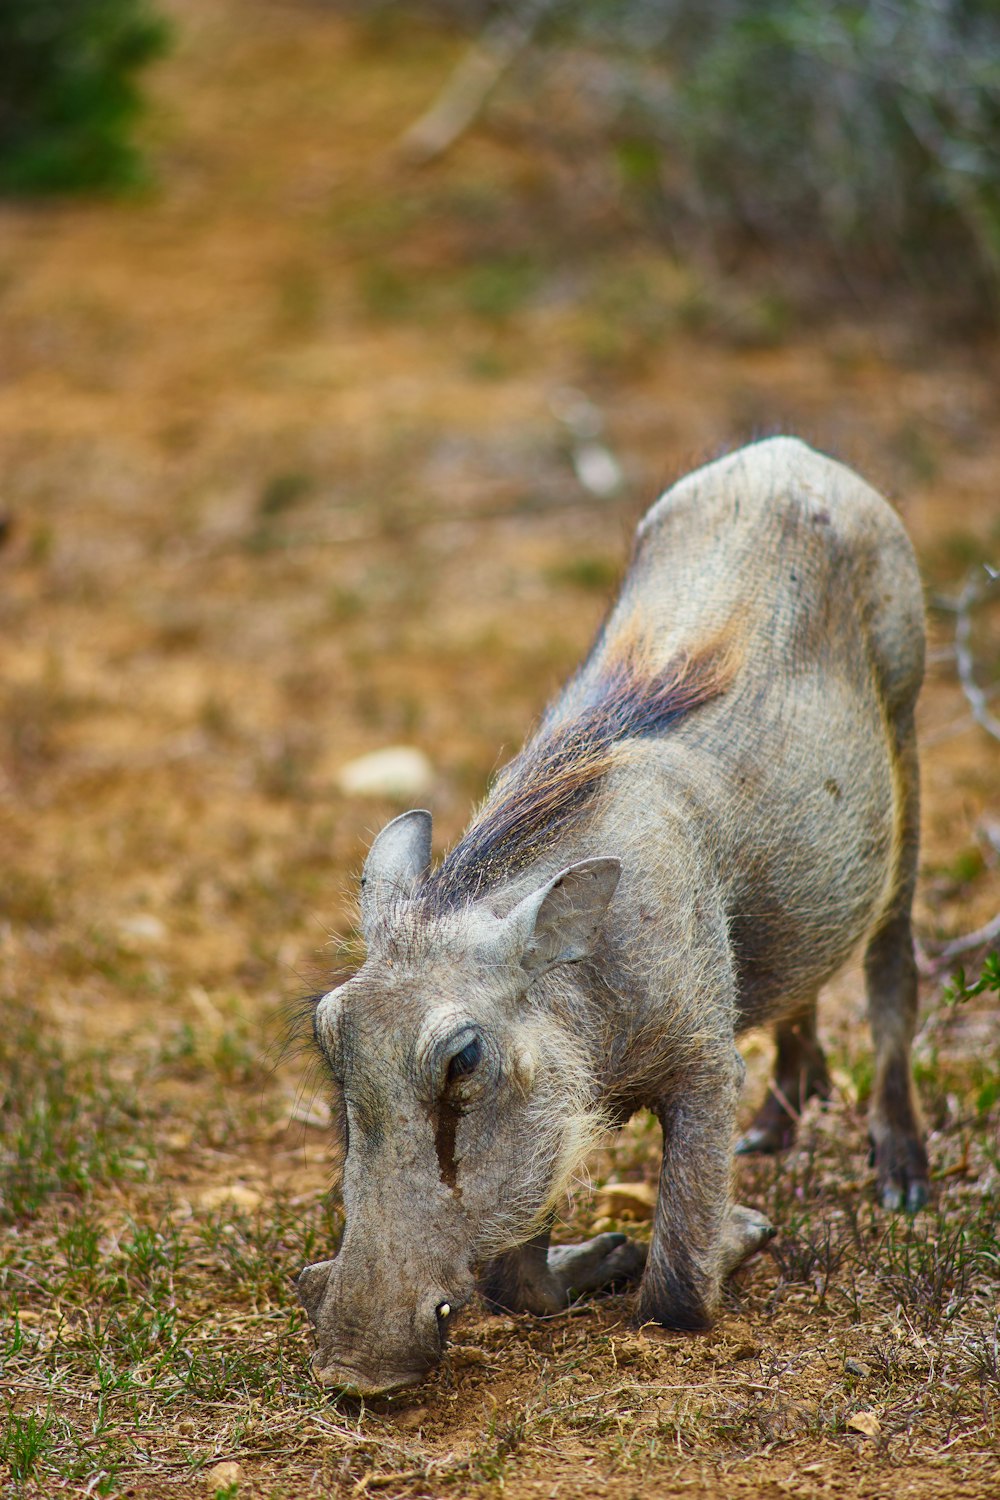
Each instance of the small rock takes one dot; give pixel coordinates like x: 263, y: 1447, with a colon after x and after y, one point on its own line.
x: 412, y: 1420
x: 221, y: 1476
x: 630, y: 1349
x: 865, y: 1422
x: 857, y: 1368
x: 463, y: 1356
x: 231, y: 1195
x: 399, y: 771
x: 626, y: 1200
x: 142, y: 928
x: 657, y: 1334
x: 597, y: 469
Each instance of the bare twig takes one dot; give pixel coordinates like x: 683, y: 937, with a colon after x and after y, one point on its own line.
x: 472, y: 81
x: 977, y: 939
x: 955, y: 727
x: 930, y: 965
x: 974, y: 593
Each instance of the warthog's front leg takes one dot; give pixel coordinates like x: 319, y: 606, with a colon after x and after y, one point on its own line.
x: 699, y: 1238
x: 541, y: 1279
x: 538, y: 1279
x: 744, y: 1233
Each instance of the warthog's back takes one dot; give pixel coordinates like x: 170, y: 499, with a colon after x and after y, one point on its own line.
x: 788, y: 568
x: 779, y: 543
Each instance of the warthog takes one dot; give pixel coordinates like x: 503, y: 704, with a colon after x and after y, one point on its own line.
x: 716, y: 809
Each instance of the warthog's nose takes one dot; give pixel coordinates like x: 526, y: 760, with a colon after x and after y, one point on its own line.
x: 386, y: 1359
x: 431, y: 1324
x: 364, y: 1350
x: 350, y: 1382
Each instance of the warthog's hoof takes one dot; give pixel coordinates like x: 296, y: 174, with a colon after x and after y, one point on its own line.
x: 775, y: 1123
x: 766, y: 1138
x: 746, y: 1231
x: 893, y: 1197
x: 606, y: 1261
x: 901, y: 1170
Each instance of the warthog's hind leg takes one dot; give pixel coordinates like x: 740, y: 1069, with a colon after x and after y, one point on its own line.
x: 891, y: 983
x: 799, y: 1074
x: 893, y: 1123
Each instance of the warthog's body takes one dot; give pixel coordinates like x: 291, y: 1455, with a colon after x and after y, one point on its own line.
x: 739, y: 747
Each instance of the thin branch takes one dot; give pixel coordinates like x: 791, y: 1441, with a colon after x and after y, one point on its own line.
x: 970, y: 596
x: 471, y: 82
x: 977, y: 939
x: 931, y: 965
x: 961, y: 725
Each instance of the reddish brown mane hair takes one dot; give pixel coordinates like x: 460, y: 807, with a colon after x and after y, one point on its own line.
x: 558, y: 772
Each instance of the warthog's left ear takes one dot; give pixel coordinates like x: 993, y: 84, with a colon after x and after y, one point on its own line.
x: 559, y: 923
x: 399, y: 857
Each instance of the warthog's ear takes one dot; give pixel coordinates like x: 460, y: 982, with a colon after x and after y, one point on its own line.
x: 559, y: 923
x: 396, y: 861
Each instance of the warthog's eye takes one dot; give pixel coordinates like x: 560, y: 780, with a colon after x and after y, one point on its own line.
x: 466, y: 1061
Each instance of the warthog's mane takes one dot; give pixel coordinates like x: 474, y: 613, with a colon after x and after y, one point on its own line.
x: 557, y: 774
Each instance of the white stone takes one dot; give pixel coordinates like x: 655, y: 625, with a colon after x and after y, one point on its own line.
x: 143, y: 928
x: 598, y: 470
x: 398, y: 771
x: 231, y: 1195
x: 223, y: 1476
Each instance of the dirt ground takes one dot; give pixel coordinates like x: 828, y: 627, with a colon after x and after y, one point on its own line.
x: 287, y: 478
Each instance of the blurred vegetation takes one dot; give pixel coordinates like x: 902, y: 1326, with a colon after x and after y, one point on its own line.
x: 68, y: 93
x: 864, y: 131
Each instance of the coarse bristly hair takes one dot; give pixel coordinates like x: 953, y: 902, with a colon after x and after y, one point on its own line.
x: 561, y: 1124
x: 557, y: 774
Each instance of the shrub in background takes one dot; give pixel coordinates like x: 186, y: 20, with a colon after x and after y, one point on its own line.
x: 873, y: 125
x: 868, y: 130
x: 68, y: 94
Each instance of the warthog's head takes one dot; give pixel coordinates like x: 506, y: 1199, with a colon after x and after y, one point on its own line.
x: 464, y: 1111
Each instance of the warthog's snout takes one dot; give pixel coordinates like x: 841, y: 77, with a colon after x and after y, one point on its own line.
x: 366, y: 1354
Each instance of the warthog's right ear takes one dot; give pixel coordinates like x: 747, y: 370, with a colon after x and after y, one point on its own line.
x: 559, y: 923
x: 399, y: 857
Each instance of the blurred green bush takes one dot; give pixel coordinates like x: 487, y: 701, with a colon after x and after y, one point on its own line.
x: 866, y: 128
x: 874, y: 125
x: 68, y: 95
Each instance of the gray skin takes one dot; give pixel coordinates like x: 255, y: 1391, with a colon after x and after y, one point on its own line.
x: 721, y: 874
